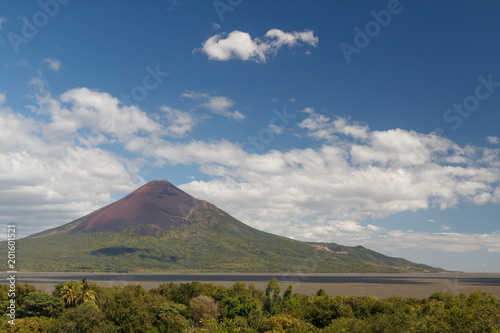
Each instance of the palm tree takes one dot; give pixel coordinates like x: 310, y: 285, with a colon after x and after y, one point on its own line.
x: 86, y: 294
x: 70, y: 292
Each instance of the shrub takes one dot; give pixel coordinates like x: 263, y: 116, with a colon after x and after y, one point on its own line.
x: 203, y: 307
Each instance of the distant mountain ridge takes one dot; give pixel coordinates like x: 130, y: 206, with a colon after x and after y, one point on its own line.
x: 159, y: 227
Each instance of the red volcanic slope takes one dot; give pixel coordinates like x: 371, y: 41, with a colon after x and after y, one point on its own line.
x: 158, y: 204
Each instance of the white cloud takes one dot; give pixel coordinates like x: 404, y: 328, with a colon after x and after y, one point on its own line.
x: 291, y: 39
x: 2, y: 21
x: 179, y: 122
x: 493, y: 140
x: 445, y: 241
x: 53, y: 64
x: 3, y: 98
x: 45, y: 183
x: 240, y: 45
x: 276, y: 129
x: 101, y: 111
x: 385, y: 240
x: 322, y: 127
x: 54, y: 168
x: 385, y: 173
x: 195, y: 95
x: 219, y: 105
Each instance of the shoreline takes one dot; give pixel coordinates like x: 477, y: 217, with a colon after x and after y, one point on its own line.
x: 382, y: 285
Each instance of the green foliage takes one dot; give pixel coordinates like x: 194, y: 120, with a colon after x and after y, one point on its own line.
x: 184, y: 292
x: 230, y: 325
x: 203, y: 307
x: 363, y: 306
x: 212, y: 242
x: 273, y: 300
x: 285, y: 323
x: 172, y: 317
x: 198, y: 307
x: 22, y: 291
x: 85, y: 318
x: 41, y: 304
x: 76, y: 293
x: 127, y: 308
x: 323, y: 309
x: 27, y: 325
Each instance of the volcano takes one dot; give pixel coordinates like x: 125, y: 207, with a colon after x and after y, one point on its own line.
x: 160, y: 228
x: 158, y: 205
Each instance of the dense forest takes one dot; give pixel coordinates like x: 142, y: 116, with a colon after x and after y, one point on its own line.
x: 200, y: 307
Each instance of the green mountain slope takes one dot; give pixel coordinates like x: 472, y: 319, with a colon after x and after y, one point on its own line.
x: 212, y: 241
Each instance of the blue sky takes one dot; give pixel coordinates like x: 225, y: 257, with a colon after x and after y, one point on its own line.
x: 361, y: 123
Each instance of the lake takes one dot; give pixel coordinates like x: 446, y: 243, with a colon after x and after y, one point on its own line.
x: 381, y: 285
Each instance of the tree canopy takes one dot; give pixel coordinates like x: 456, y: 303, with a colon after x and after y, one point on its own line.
x: 188, y: 307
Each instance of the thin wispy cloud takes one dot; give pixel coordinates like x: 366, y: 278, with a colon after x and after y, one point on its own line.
x: 2, y: 21
x: 53, y: 64
x: 219, y: 105
x: 322, y: 127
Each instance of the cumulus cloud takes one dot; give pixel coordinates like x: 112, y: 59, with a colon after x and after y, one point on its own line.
x: 53, y: 167
x: 92, y: 118
x: 53, y: 64
x: 240, y: 45
x: 322, y: 127
x: 328, y: 182
x: 56, y: 165
x: 179, y: 122
x: 353, y: 233
x: 59, y: 160
x: 45, y: 183
x: 380, y: 174
x: 493, y: 140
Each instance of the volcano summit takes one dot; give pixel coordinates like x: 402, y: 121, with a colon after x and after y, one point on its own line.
x: 159, y: 205
x: 160, y: 228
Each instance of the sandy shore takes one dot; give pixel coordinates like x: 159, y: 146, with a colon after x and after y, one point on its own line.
x: 380, y: 285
